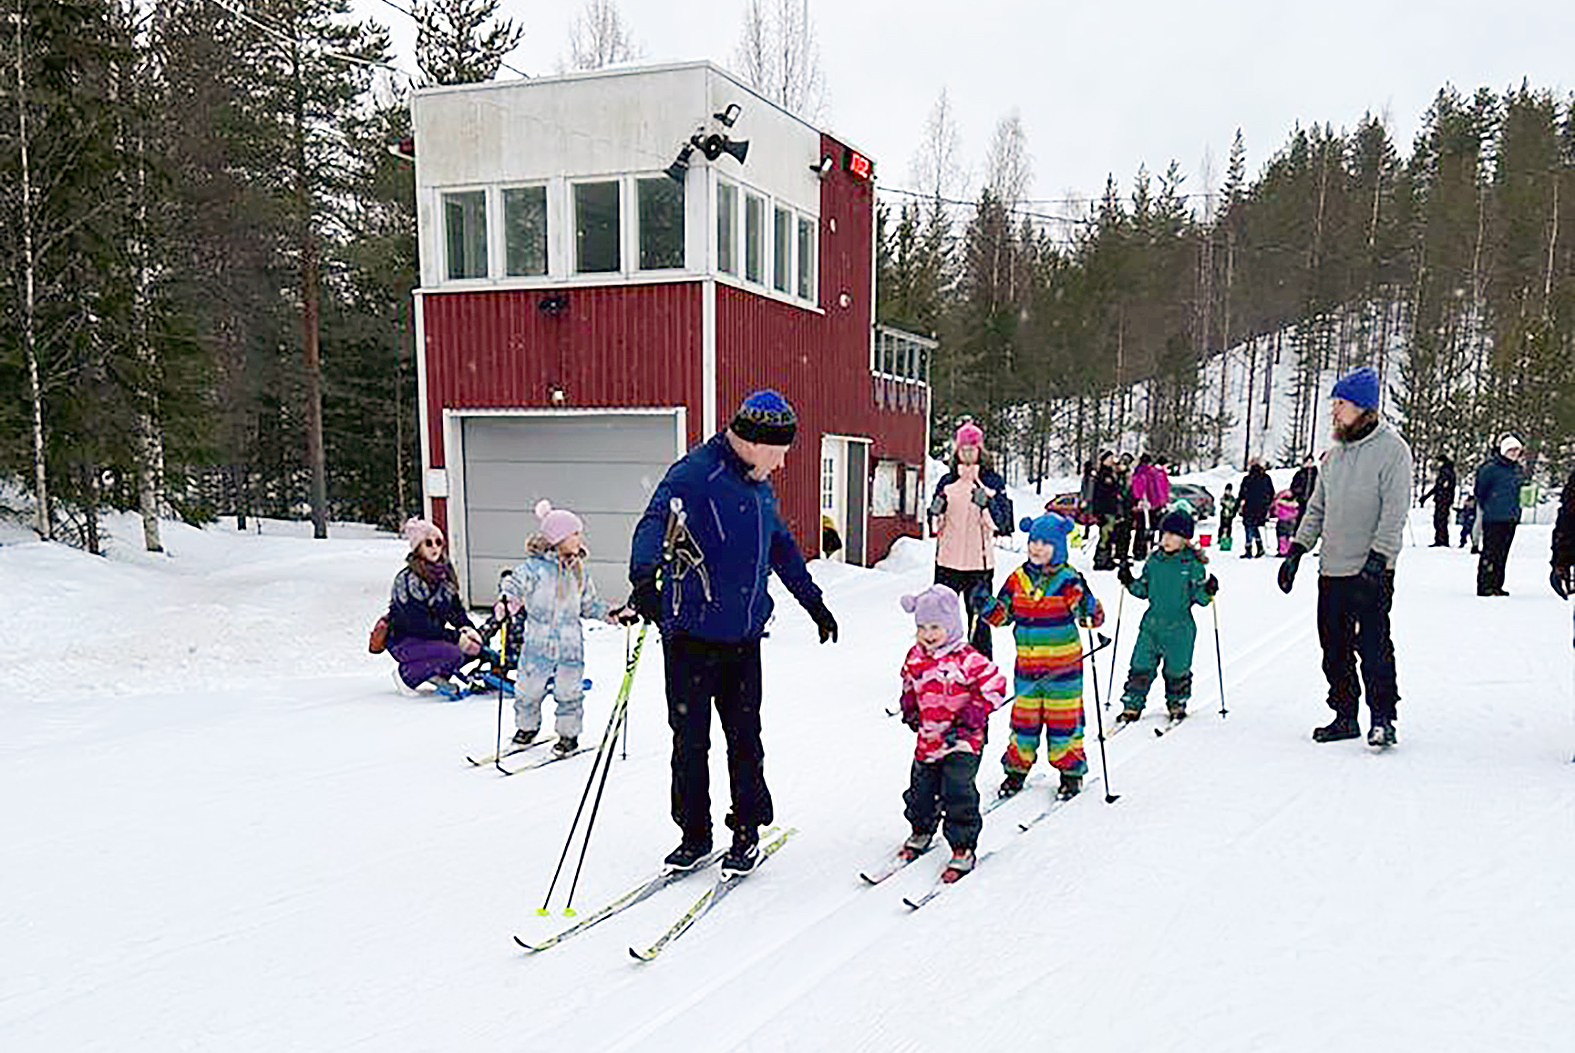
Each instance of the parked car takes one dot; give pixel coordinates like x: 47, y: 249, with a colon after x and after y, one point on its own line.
x: 1071, y: 506
x: 1198, y: 497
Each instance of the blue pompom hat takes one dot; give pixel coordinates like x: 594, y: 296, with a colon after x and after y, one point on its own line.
x: 1051, y: 528
x: 1359, y: 387
x: 767, y: 418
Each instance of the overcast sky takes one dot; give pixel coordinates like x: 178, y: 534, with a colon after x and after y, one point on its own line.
x: 1102, y: 88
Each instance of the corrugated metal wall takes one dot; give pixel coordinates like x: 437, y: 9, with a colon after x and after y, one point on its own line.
x: 625, y: 345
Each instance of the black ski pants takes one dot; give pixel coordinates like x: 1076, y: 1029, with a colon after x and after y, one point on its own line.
x: 946, y: 788
x: 1353, y: 619
x: 701, y: 673
x: 972, y: 586
x: 1440, y: 523
x: 1496, y: 539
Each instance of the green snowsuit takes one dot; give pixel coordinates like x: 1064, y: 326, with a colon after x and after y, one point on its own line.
x: 1172, y: 582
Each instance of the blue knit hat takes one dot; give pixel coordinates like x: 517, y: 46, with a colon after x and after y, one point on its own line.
x: 1179, y: 523
x: 1359, y: 387
x: 767, y: 418
x: 1051, y: 528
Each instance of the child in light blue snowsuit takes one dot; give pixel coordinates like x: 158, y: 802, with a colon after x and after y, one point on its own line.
x: 555, y: 591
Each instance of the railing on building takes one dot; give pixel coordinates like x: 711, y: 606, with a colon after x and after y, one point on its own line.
x: 900, y: 369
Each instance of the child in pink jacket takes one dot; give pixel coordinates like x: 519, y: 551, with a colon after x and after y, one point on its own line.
x: 1287, y: 512
x: 948, y: 693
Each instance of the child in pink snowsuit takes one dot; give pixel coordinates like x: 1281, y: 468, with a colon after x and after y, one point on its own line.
x: 948, y: 692
x: 1286, y: 512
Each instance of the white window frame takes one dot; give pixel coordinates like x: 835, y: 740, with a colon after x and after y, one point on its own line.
x: 813, y: 223
x: 639, y: 231
x: 553, y: 229
x: 763, y: 279
x: 572, y: 242
x: 737, y: 273
x: 442, y: 232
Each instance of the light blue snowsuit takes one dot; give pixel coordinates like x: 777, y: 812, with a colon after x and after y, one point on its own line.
x: 556, y: 594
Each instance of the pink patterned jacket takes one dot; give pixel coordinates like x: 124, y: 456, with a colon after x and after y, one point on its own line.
x: 952, y: 686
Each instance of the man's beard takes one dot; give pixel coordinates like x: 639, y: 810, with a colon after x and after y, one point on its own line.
x: 1358, y: 428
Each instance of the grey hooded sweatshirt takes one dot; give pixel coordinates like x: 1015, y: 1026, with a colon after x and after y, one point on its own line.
x: 1360, y: 503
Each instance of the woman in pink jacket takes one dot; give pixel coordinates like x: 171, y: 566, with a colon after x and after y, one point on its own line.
x: 1150, y: 495
x: 969, y: 509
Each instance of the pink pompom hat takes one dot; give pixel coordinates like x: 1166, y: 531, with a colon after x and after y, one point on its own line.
x: 557, y: 523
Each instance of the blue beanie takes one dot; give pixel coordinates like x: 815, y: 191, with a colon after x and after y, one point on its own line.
x: 767, y: 418
x: 1051, y: 528
x: 1359, y: 387
x: 1177, y: 522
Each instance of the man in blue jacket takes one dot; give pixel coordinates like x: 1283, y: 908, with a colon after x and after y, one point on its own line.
x: 1498, y: 503
x: 713, y: 531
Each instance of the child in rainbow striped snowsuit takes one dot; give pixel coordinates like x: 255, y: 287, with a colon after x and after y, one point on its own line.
x: 1046, y: 600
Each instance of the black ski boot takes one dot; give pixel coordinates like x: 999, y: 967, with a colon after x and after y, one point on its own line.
x: 688, y: 854
x: 1071, y: 786
x: 1338, y: 729
x: 565, y: 745
x: 1013, y: 783
x: 523, y: 737
x: 745, y: 853
x: 1381, y: 736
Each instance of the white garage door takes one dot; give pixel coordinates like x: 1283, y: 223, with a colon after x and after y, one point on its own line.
x: 602, y: 466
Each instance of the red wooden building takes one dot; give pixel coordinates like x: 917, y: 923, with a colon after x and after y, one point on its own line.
x: 607, y: 270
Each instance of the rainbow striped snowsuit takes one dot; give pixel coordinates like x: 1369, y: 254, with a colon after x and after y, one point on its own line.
x: 1044, y: 605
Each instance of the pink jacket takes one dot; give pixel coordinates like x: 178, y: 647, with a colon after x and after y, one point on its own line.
x: 964, y: 533
x: 954, y: 686
x: 1151, y: 483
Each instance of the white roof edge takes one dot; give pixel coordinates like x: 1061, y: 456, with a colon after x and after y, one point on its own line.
x: 628, y: 71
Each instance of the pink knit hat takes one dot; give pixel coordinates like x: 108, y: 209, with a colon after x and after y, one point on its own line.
x: 417, y: 530
x: 556, y: 523
x: 969, y: 434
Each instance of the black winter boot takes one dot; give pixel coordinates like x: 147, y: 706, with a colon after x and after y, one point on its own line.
x: 1337, y: 729
x: 688, y: 854
x: 1013, y: 783
x: 745, y: 853
x: 1071, y: 786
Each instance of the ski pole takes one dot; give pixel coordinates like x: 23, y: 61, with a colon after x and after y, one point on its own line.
x: 625, y: 755
x: 1219, y: 663
x: 1099, y: 716
x: 1110, y: 685
x: 608, y: 736
x: 503, y: 649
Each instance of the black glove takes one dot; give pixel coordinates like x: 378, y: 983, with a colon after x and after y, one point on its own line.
x: 626, y: 615
x: 1211, y: 585
x: 1372, y: 572
x: 646, y: 601
x: 1288, y: 567
x: 938, y: 504
x: 981, y: 498
x: 824, y: 622
x: 912, y: 719
x: 1563, y: 581
x: 1124, y: 574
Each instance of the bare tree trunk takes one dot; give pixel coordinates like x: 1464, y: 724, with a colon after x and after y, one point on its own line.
x: 43, y: 521
x: 1252, y: 374
x: 310, y: 311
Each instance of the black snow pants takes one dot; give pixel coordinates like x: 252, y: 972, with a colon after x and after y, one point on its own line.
x: 1353, y: 620
x: 700, y: 673
x: 1496, y: 539
x: 946, y: 788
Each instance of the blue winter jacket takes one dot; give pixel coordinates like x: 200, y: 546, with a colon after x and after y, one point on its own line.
x: 1498, y: 490
x: 734, y: 522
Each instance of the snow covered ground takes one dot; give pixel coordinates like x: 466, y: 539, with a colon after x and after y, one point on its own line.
x: 223, y: 830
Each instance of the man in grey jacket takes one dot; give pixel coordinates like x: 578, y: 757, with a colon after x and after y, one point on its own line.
x: 1358, y: 508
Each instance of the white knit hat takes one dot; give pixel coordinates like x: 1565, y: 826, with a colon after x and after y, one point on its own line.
x: 1507, y: 443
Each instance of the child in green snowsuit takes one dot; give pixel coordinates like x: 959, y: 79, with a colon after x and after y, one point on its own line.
x: 1173, y: 580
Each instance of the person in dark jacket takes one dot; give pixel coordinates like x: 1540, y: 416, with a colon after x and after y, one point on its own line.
x: 1467, y: 518
x: 712, y: 531
x: 1497, y: 492
x: 1257, y: 495
x: 1106, y: 507
x: 1562, y: 577
x: 429, y: 633
x: 1302, y: 484
x: 1443, y: 494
